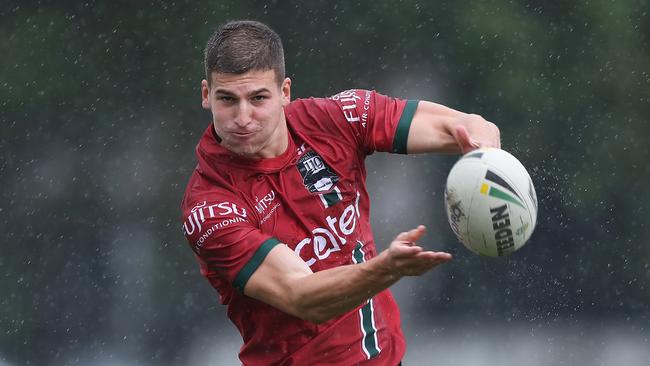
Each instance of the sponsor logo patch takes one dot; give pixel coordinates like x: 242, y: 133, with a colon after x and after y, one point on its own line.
x: 317, y: 176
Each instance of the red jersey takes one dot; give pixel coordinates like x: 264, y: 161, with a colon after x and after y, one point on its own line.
x: 312, y: 198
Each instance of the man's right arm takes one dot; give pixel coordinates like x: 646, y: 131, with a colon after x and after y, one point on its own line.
x: 284, y: 280
x: 440, y: 129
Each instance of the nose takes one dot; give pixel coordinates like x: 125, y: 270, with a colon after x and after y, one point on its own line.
x: 244, y: 114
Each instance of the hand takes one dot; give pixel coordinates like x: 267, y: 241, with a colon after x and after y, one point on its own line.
x: 405, y: 258
x: 475, y: 132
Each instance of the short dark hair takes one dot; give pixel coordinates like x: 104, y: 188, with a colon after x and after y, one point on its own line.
x: 241, y: 46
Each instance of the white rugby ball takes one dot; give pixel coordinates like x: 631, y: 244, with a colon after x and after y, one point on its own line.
x: 491, y: 202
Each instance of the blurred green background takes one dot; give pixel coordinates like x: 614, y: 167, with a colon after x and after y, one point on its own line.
x: 100, y: 113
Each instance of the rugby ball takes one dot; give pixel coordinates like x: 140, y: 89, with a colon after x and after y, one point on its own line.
x: 491, y: 202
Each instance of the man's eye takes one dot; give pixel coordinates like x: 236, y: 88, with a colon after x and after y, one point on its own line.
x: 259, y: 98
x: 226, y: 99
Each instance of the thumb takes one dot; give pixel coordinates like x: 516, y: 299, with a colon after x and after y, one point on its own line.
x: 412, y: 235
x: 465, y: 142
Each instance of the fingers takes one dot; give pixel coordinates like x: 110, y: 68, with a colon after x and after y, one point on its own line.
x: 404, y: 251
x: 420, y: 263
x: 497, y: 135
x: 465, y: 142
x: 404, y: 247
x: 410, y: 259
x: 484, y: 134
x: 412, y: 235
x: 436, y: 256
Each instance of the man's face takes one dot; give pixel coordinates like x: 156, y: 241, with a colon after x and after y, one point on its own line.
x: 247, y: 110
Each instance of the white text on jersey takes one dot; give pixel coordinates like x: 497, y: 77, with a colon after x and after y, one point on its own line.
x: 325, y: 241
x: 201, y: 211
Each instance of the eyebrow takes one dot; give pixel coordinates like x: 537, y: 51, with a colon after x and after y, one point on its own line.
x: 254, y: 92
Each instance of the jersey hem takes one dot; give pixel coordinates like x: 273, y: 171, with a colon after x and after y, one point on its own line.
x: 249, y: 268
x: 403, y: 126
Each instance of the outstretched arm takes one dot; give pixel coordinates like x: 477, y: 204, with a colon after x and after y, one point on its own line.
x: 285, y: 281
x: 436, y: 128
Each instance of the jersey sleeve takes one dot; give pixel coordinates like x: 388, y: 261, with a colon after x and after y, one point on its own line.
x: 378, y: 122
x: 223, y: 234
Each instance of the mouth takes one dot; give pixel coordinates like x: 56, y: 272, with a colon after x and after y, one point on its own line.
x: 243, y: 135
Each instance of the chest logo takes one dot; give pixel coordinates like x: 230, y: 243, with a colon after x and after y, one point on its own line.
x: 317, y: 176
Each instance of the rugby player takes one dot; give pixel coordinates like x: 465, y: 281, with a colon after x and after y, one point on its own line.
x: 277, y: 210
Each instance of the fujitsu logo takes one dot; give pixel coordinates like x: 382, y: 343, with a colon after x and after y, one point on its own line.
x: 201, y: 212
x: 348, y: 100
x: 263, y: 203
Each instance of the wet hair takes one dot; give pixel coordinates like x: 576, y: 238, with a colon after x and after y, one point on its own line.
x: 241, y: 46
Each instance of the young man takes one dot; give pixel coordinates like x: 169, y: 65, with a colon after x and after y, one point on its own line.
x: 277, y: 210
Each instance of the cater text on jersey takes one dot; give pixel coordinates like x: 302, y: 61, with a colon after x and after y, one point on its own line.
x: 326, y: 241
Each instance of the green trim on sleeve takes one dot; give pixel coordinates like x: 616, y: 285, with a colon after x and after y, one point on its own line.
x: 402, y: 131
x: 247, y: 271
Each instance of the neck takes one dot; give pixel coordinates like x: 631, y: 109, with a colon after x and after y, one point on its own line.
x: 278, y: 143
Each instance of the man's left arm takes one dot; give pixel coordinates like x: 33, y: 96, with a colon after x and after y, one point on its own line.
x: 436, y: 128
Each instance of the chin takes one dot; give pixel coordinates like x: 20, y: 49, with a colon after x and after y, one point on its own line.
x: 245, y: 151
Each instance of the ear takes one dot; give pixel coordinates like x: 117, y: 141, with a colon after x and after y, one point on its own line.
x: 286, y: 91
x: 205, y: 94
